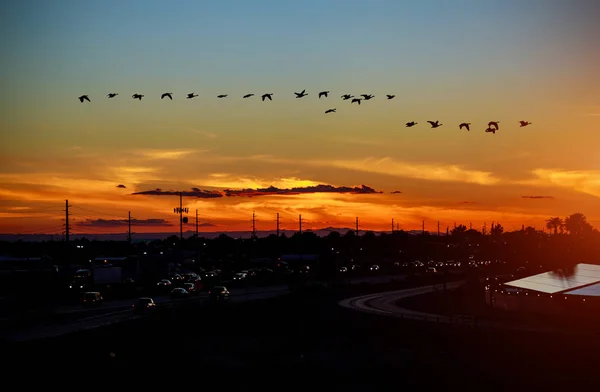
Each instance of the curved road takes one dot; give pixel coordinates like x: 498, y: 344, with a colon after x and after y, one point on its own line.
x: 386, y: 304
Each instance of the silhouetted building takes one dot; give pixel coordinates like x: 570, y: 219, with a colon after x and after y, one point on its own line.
x: 558, y: 292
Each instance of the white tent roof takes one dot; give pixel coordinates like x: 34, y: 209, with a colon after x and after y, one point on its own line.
x: 551, y: 282
x: 592, y: 291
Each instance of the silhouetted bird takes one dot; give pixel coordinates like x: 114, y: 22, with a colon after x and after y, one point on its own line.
x: 267, y: 96
x: 191, y: 95
x: 390, y: 96
x: 248, y: 95
x: 347, y: 96
x: 357, y: 100
x: 301, y: 94
x: 492, y: 130
x: 112, y: 95
x: 84, y: 97
x: 137, y: 96
x: 330, y: 111
x: 222, y: 96
x: 323, y: 94
x: 524, y: 123
x: 411, y: 124
x: 494, y: 124
x: 170, y: 95
x: 367, y: 96
x: 464, y: 125
x: 435, y: 124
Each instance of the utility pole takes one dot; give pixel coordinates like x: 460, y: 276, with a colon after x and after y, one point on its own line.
x: 67, y: 221
x: 67, y: 228
x: 180, y: 216
x: 278, y: 224
x: 357, y: 226
x: 253, y: 225
x: 180, y: 210
x: 423, y: 228
x: 438, y: 228
x: 197, y: 241
x: 447, y: 230
x: 129, y: 227
x: 392, y: 225
x: 300, y: 223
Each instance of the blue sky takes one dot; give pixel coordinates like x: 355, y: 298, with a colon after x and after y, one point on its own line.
x: 279, y: 44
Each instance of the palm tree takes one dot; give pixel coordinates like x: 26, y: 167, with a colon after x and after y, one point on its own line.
x: 497, y: 229
x: 576, y: 223
x: 555, y: 224
x: 458, y: 230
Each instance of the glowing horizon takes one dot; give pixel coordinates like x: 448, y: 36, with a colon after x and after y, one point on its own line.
x: 449, y: 66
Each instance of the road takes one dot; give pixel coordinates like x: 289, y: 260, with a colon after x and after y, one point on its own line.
x: 114, y: 305
x: 77, y: 318
x: 385, y: 304
x: 119, y: 312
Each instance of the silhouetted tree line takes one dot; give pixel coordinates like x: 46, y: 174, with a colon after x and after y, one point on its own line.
x: 573, y: 240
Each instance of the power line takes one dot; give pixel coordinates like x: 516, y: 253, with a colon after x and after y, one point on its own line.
x: 98, y: 212
x: 38, y: 231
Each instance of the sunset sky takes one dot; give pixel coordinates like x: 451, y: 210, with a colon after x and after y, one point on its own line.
x: 453, y: 61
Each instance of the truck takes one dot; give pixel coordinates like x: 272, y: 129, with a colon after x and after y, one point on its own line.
x: 107, y: 275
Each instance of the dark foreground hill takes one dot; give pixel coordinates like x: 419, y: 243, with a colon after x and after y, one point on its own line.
x: 306, y: 340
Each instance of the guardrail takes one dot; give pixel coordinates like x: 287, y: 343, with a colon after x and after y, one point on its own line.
x: 463, y: 320
x: 468, y: 321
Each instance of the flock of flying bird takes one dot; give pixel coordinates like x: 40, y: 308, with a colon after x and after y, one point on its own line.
x: 492, y: 125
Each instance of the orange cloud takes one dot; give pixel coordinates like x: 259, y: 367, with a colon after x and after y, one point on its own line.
x: 432, y: 172
x: 165, y: 154
x: 585, y: 181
